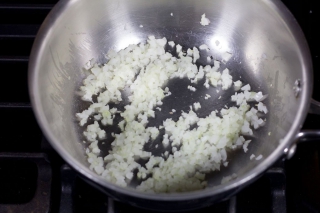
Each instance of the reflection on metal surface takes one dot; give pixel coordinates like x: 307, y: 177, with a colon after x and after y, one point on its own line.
x: 297, y: 88
x: 126, y: 41
x: 291, y: 151
x: 220, y: 43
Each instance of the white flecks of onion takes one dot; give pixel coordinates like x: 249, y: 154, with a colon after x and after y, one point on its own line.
x: 226, y: 79
x: 196, y: 54
x: 204, y: 21
x: 196, y: 106
x: 165, y: 140
x: 171, y: 43
x: 206, y: 84
x: 191, y: 88
x: 228, y: 178
x: 260, y: 97
x: 145, y: 69
x: 245, y: 145
x: 237, y: 85
x: 207, y: 96
x: 262, y: 108
x: 252, y: 156
x: 204, y: 47
x: 247, y: 87
x: 178, y: 48
x: 83, y: 116
x: 259, y: 157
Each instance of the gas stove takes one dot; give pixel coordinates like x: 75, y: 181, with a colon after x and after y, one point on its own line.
x: 33, y: 177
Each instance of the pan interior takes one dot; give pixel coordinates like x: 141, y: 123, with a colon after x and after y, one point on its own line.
x: 265, y: 54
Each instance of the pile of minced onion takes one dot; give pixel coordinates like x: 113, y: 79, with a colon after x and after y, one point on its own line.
x: 145, y: 69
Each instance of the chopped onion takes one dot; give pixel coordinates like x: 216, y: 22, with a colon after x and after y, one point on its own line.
x: 259, y: 157
x: 204, y: 47
x: 204, y: 21
x: 145, y: 69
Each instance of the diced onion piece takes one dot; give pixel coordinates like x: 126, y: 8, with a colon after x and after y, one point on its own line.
x: 204, y: 47
x: 204, y: 21
x: 198, y: 144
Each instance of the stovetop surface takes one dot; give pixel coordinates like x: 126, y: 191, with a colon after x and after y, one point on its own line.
x: 34, y: 178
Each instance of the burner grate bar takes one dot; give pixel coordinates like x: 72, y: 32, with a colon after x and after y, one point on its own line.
x: 6, y: 105
x: 68, y: 177
x: 278, y: 189
x: 111, y: 205
x: 14, y: 59
x: 232, y: 205
x: 15, y: 31
x: 41, y: 201
x: 27, y: 6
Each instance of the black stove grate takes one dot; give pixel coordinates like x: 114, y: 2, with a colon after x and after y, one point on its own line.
x: 33, y: 178
x: 26, y: 186
x: 29, y: 180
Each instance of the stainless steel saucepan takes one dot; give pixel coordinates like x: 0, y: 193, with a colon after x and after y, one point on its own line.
x: 269, y: 52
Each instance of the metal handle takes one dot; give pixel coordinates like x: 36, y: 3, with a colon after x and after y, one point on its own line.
x: 302, y: 136
x: 308, y: 135
x: 314, y: 107
x: 305, y: 135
